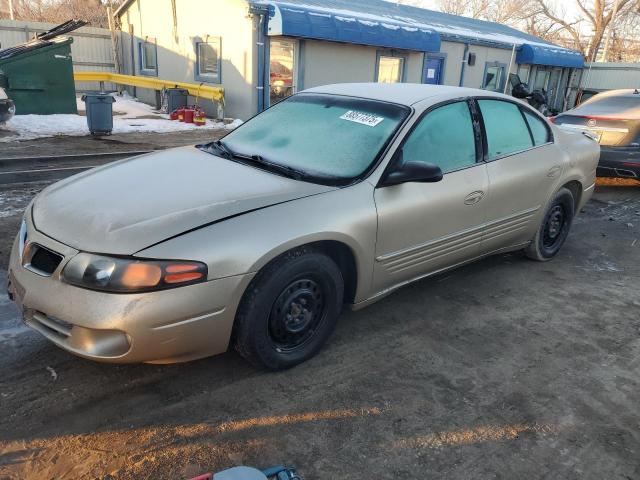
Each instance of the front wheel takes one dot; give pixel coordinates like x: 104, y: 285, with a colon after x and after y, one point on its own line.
x: 554, y: 228
x: 289, y: 310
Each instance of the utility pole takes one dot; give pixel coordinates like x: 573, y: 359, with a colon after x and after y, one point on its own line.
x: 605, y: 53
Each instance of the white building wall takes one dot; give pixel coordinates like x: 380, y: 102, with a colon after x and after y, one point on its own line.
x: 454, y: 54
x: 195, y: 20
x: 324, y: 63
x: 474, y: 75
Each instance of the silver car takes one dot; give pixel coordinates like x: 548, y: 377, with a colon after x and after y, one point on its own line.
x: 338, y: 195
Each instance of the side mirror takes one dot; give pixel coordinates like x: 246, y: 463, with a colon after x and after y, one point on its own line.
x: 414, y: 172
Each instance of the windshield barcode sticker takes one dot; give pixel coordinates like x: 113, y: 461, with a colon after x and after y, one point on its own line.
x: 362, y: 118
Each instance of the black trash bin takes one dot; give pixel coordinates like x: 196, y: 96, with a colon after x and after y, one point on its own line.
x: 174, y: 98
x: 99, y: 108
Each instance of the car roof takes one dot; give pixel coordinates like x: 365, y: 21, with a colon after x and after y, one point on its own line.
x: 626, y: 92
x: 401, y: 93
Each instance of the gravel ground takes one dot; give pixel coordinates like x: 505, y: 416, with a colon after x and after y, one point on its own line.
x: 503, y: 369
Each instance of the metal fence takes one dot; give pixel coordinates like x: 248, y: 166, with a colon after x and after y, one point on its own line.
x: 611, y: 76
x: 91, y: 49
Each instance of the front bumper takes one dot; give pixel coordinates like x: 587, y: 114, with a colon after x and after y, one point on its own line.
x: 619, y: 162
x: 7, y: 110
x: 167, y: 326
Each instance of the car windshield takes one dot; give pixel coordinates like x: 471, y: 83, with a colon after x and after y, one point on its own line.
x: 326, y: 138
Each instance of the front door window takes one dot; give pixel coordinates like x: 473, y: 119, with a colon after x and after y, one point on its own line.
x: 282, y: 67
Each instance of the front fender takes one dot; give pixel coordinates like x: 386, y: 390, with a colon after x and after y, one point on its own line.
x: 246, y: 243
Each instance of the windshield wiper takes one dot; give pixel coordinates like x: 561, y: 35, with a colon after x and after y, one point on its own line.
x: 221, y: 149
x: 273, y: 167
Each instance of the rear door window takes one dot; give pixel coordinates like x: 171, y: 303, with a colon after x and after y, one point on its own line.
x: 506, y: 130
x: 539, y: 130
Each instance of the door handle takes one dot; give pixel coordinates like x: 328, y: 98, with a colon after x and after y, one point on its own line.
x: 474, y: 197
x: 553, y: 171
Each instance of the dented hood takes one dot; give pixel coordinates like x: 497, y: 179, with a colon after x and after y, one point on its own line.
x: 125, y: 206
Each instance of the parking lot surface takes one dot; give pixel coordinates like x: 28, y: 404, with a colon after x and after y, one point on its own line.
x: 503, y: 369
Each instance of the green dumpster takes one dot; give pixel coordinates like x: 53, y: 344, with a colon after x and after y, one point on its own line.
x: 39, y: 79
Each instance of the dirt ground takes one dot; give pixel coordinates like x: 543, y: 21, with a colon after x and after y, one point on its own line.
x: 124, y: 142
x: 505, y: 369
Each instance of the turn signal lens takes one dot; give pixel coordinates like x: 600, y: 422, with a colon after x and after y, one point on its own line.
x: 136, y: 275
x: 130, y: 275
x: 182, y: 272
x: 182, y: 277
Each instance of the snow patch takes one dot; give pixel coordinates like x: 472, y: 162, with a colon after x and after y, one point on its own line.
x: 129, y: 115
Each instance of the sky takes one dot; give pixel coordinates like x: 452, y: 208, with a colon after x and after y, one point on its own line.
x: 569, y: 6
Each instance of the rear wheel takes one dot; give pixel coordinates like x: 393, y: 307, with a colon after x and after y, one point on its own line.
x: 554, y: 228
x: 289, y: 310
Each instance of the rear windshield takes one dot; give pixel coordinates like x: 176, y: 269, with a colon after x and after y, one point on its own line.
x: 326, y: 136
x: 606, y: 105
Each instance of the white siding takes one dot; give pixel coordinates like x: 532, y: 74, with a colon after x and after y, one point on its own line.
x: 176, y: 55
x: 324, y: 63
x: 611, y: 76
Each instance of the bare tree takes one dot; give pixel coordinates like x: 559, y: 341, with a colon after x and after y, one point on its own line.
x: 599, y: 15
x: 510, y: 12
x: 57, y: 11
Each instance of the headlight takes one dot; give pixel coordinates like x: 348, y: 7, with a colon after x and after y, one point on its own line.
x: 129, y: 275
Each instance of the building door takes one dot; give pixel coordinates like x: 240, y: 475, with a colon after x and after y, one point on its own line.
x: 554, y: 85
x: 433, y: 71
x: 282, y: 69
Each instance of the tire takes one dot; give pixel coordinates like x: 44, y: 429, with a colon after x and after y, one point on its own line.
x: 289, y: 310
x: 554, y: 228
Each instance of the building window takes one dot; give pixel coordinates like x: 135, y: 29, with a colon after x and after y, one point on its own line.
x: 149, y: 57
x: 390, y: 69
x: 542, y: 79
x: 493, y: 77
x: 208, y: 60
x: 282, y: 70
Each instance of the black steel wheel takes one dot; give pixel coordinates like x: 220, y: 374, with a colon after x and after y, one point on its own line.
x: 297, y: 313
x: 289, y: 310
x: 554, y: 229
x: 553, y: 226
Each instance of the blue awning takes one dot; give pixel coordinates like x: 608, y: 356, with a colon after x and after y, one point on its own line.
x: 549, y: 55
x: 303, y: 21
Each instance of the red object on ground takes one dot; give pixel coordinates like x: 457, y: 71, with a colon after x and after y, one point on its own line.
x: 198, y: 118
x: 174, y: 115
x: 188, y: 115
x: 180, y: 114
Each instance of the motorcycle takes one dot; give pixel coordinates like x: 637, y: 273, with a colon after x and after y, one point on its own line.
x: 537, y: 98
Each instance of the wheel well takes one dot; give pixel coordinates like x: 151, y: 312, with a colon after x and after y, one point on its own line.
x: 575, y: 188
x: 345, y: 259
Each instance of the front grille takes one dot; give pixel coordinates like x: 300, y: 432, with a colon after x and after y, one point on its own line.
x: 42, y: 260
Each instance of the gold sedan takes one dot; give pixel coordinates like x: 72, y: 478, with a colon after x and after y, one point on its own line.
x: 337, y: 195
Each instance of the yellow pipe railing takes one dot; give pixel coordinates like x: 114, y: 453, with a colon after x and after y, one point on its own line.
x: 208, y: 92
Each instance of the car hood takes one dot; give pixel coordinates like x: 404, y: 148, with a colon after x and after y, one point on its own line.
x: 125, y: 206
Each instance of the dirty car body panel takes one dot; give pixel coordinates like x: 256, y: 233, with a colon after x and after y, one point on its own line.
x: 201, y: 211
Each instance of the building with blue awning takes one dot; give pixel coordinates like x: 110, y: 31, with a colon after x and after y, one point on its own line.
x: 264, y: 50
